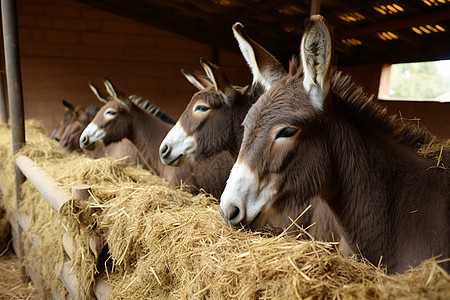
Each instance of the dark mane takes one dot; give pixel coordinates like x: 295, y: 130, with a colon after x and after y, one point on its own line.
x: 252, y: 92
x: 407, y: 134
x: 91, y: 111
x: 346, y: 89
x: 153, y: 109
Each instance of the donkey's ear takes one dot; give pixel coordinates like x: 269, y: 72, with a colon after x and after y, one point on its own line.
x: 315, y: 51
x: 219, y: 80
x: 117, y: 94
x: 110, y: 87
x: 266, y: 69
x: 68, y: 106
x: 199, y: 81
x: 97, y: 93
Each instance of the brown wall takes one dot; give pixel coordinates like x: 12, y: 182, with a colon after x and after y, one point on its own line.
x: 433, y: 115
x: 65, y: 43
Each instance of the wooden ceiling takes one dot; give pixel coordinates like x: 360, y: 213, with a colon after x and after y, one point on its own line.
x: 386, y: 31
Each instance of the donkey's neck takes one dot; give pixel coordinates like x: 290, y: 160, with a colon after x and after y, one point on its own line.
x: 147, y: 133
x: 247, y: 98
x: 365, y: 181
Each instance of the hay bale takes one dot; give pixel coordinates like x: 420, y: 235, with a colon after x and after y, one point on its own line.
x: 165, y: 243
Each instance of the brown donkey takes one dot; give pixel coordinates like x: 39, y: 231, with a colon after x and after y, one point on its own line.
x: 69, y: 108
x: 80, y: 116
x: 211, y: 123
x: 121, y: 118
x: 77, y: 117
x: 305, y: 139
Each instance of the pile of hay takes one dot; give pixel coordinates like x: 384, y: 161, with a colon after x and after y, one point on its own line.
x: 165, y: 243
x: 11, y: 283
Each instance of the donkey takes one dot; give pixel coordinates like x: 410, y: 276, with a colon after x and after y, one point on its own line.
x: 303, y: 138
x: 61, y: 125
x: 77, y: 117
x: 80, y: 116
x: 211, y: 123
x: 121, y: 118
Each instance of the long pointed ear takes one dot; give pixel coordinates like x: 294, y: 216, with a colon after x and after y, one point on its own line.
x: 97, y: 93
x: 266, y: 69
x: 199, y: 81
x: 68, y: 106
x: 219, y: 80
x: 117, y: 94
x: 315, y: 51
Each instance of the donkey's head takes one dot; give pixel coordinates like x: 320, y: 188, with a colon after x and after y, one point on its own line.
x: 81, y: 117
x: 204, y: 126
x: 111, y: 123
x: 64, y: 122
x: 212, y: 120
x: 279, y: 153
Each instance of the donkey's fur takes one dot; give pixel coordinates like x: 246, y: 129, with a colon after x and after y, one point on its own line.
x: 66, y: 118
x: 391, y: 204
x: 74, y: 126
x: 220, y: 129
x: 146, y: 132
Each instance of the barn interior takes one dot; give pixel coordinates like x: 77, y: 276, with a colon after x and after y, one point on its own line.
x: 143, y: 45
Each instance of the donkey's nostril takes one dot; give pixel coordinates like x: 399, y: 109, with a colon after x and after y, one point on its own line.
x: 233, y: 213
x: 84, y: 140
x: 165, y: 151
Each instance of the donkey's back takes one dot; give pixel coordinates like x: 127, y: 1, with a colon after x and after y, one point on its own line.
x: 421, y: 218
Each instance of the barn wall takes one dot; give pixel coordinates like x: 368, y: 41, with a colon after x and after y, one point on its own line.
x: 65, y: 43
x: 433, y: 115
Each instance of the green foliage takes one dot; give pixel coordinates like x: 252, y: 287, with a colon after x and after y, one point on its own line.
x: 418, y: 80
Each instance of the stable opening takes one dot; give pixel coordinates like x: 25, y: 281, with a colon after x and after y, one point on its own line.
x: 419, y: 81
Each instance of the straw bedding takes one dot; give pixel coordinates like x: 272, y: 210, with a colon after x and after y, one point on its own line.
x: 11, y: 284
x: 163, y: 242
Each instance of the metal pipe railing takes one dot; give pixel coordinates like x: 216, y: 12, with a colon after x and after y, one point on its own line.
x: 14, y: 83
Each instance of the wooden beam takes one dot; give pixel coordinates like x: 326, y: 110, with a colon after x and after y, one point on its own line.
x: 315, y: 7
x: 262, y: 7
x: 400, y: 23
x: 44, y: 183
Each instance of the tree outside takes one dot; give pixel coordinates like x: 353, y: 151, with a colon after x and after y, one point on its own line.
x: 423, y: 80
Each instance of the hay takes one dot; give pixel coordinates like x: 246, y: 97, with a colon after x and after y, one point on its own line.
x: 165, y: 243
x: 438, y: 150
x: 11, y: 284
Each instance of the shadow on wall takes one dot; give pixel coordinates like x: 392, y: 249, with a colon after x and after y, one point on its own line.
x: 434, y: 116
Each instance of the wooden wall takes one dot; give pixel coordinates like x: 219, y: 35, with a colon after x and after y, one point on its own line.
x: 64, y: 43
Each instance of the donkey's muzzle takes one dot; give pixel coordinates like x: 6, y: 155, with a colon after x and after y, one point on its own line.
x: 167, y: 157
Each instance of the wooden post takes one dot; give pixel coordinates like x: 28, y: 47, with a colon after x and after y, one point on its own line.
x: 81, y: 191
x: 14, y: 80
x: 3, y: 98
x: 315, y: 7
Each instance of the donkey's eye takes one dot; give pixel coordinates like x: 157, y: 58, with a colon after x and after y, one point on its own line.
x: 201, y: 108
x: 286, y: 133
x: 110, y: 113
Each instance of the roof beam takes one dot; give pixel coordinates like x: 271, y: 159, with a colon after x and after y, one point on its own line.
x: 434, y: 17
